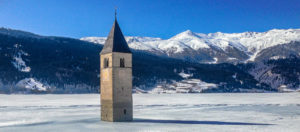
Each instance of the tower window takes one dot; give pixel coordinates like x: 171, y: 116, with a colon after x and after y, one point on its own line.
x: 122, y: 62
x: 106, y: 62
x: 124, y: 111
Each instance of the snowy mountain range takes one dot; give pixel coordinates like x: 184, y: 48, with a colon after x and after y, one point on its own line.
x: 213, y: 47
x: 185, y: 63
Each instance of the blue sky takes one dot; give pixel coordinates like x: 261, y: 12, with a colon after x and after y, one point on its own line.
x: 154, y: 18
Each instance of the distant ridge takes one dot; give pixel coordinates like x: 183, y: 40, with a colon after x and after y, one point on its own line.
x: 213, y: 47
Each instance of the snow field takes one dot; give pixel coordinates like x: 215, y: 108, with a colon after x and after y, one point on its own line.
x: 154, y: 113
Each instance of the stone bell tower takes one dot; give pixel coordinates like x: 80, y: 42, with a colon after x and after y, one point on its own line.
x: 116, y: 77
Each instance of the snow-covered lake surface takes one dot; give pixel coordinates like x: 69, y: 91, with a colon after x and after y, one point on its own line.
x: 154, y: 112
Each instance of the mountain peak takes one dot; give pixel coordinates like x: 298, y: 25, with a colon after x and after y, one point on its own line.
x: 185, y: 34
x: 188, y: 32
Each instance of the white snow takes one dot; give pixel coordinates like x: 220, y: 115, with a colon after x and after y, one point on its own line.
x: 250, y: 43
x: 98, y: 40
x: 187, y: 85
x: 31, y: 83
x: 277, y: 57
x: 191, y: 39
x: 138, y: 90
x: 246, y: 112
x: 231, y: 58
x: 160, y: 89
x: 19, y: 63
x: 234, y: 76
x: 214, y: 61
x: 253, y: 57
x: 185, y: 75
x: 284, y: 88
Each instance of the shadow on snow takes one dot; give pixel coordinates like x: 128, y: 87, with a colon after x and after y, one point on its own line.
x: 195, y: 122
x: 136, y: 120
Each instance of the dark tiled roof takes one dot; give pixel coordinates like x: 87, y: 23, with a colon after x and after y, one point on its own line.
x: 115, y: 41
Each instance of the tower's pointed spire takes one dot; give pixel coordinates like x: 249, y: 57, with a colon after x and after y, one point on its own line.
x: 115, y: 41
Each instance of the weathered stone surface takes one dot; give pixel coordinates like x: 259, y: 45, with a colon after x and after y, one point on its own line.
x: 116, y: 79
x: 116, y: 88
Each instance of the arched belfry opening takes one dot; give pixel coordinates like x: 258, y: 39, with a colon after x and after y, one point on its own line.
x: 106, y: 62
x: 116, y: 77
x: 122, y: 62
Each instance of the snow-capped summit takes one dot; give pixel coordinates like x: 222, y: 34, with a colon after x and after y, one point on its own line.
x: 98, y: 40
x: 184, y: 34
x: 246, y: 46
x: 191, y: 39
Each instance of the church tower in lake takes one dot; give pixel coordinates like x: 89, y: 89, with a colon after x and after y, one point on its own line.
x: 116, y: 77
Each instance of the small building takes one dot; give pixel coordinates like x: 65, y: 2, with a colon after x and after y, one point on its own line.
x: 116, y: 77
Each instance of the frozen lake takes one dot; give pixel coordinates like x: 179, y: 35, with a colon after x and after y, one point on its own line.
x: 154, y: 112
